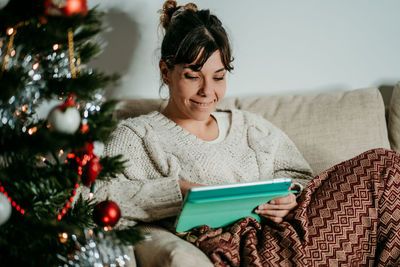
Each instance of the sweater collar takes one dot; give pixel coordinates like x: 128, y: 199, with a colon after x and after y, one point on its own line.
x: 170, y: 126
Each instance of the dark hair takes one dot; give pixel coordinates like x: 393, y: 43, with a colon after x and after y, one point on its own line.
x: 189, y: 32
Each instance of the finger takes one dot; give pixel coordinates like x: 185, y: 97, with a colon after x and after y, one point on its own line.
x: 267, y: 206
x: 284, y: 200
x: 273, y: 213
x: 274, y: 219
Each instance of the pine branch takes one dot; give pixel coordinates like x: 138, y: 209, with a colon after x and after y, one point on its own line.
x: 101, y: 123
x: 42, y: 188
x: 81, y: 214
x: 111, y: 167
x: 84, y: 86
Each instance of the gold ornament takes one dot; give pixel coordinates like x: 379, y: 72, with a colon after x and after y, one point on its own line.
x: 71, y: 52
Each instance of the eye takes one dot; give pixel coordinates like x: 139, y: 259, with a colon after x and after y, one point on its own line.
x: 191, y: 77
x: 219, y: 78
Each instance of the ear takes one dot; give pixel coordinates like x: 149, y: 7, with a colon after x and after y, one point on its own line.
x: 164, y: 71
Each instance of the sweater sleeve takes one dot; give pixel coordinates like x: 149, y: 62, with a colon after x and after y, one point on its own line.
x: 277, y: 154
x: 148, y: 189
x: 289, y: 162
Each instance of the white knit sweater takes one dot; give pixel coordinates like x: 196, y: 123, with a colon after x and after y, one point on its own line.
x: 160, y: 152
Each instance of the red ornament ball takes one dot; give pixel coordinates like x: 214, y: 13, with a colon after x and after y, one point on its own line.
x: 106, y: 213
x: 91, y: 172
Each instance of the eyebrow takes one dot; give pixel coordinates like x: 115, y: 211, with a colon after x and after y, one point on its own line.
x: 195, y: 68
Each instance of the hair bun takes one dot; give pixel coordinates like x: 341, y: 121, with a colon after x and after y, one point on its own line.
x: 169, y: 8
x: 191, y: 6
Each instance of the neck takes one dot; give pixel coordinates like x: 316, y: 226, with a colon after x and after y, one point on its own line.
x: 204, y: 129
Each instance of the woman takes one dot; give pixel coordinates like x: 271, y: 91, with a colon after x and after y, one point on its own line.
x: 189, y: 144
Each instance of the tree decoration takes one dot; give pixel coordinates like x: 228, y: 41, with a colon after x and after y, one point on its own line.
x: 101, y: 249
x: 5, y: 209
x: 17, y: 103
x: 106, y: 213
x: 41, y: 164
x: 65, y: 7
x: 68, y: 203
x: 3, y: 3
x: 65, y: 118
x: 10, y: 200
x: 92, y: 170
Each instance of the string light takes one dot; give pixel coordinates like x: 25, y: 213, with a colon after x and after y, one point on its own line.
x: 55, y: 47
x: 35, y: 66
x: 24, y: 108
x: 81, y: 162
x: 10, y: 31
x: 67, y: 204
x: 63, y: 237
x: 32, y: 130
x: 13, y: 203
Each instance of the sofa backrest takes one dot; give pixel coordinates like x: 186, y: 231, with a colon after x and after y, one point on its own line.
x: 394, y: 119
x: 327, y: 127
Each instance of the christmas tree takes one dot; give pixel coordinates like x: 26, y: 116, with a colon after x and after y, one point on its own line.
x: 45, y: 46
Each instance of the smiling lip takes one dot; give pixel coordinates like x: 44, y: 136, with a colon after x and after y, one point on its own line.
x: 202, y: 104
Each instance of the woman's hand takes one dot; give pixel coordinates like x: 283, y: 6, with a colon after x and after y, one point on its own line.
x: 185, y: 186
x: 277, y: 209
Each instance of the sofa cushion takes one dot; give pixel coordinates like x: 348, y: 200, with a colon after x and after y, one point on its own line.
x: 394, y: 119
x: 327, y: 127
x: 166, y: 249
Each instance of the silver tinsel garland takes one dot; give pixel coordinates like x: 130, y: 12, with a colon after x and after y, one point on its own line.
x: 100, y: 250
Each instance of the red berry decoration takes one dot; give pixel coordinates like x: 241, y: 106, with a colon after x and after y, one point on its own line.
x: 91, y: 171
x: 106, y: 213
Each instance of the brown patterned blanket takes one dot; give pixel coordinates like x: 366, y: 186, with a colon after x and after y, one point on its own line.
x: 348, y: 215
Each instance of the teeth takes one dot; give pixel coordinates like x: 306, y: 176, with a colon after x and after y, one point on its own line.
x: 201, y: 104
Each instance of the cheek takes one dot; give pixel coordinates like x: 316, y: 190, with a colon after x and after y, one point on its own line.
x: 221, y: 90
x: 182, y: 90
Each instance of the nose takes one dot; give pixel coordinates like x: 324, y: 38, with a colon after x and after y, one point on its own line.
x: 206, y: 88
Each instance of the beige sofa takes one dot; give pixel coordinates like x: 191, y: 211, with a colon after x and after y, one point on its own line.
x: 327, y: 128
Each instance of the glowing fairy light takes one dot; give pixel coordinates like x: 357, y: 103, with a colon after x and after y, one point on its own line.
x: 32, y: 130
x: 10, y: 31
x: 24, y: 108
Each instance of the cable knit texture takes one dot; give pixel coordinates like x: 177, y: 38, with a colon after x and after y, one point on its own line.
x: 159, y: 153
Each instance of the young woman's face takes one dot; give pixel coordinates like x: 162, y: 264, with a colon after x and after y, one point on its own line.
x: 195, y: 94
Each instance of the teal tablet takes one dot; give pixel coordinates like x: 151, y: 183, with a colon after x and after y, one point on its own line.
x: 221, y: 205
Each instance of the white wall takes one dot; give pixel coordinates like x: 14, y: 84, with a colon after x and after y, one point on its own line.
x: 279, y: 46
